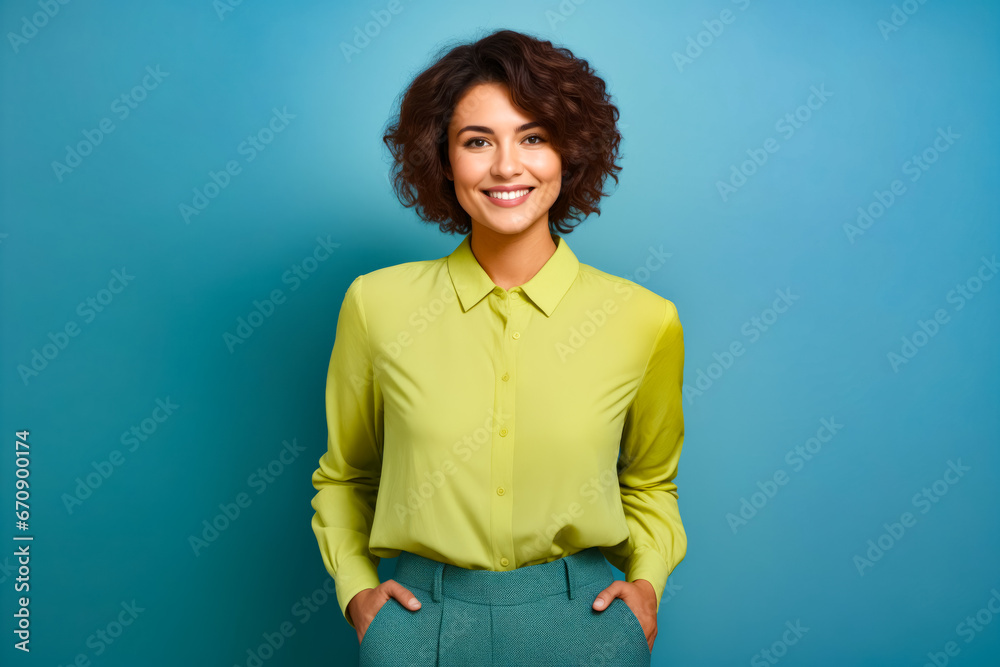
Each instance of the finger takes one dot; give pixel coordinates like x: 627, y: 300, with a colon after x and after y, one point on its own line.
x: 403, y: 595
x: 605, y: 597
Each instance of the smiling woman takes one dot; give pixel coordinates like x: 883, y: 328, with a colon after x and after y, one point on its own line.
x: 508, y: 468
x: 519, y: 150
x: 504, y: 92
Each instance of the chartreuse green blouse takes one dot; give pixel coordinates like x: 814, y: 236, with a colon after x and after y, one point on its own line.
x: 493, y: 429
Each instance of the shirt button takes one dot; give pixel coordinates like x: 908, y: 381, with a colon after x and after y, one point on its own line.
x: 506, y: 376
x: 516, y: 335
x: 503, y: 432
x: 504, y: 562
x: 500, y: 491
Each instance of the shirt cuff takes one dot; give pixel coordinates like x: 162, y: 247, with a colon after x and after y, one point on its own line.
x: 648, y: 564
x: 354, y: 575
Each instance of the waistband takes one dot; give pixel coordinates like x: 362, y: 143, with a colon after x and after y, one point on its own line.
x: 508, y: 587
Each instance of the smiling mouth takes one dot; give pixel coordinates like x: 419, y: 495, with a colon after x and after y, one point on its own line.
x: 507, y: 196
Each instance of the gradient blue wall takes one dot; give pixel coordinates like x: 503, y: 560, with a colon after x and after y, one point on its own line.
x: 754, y: 132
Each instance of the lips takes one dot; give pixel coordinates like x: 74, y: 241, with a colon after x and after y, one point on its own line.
x: 507, y: 194
x: 509, y: 198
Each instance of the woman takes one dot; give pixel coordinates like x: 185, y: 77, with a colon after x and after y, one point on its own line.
x: 515, y: 413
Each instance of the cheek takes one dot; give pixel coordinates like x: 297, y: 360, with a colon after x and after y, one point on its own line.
x: 468, y: 171
x: 467, y: 178
x: 548, y: 167
x: 467, y: 200
x: 551, y: 174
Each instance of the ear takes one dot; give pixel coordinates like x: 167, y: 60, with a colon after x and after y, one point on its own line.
x: 447, y: 172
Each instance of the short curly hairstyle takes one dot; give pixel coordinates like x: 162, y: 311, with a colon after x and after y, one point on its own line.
x: 549, y: 83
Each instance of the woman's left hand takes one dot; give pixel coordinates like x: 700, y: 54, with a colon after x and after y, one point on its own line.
x: 640, y: 598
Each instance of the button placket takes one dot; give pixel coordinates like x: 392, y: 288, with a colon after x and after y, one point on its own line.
x: 517, y: 314
x: 501, y: 453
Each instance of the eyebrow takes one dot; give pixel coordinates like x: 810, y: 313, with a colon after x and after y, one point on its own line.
x: 486, y: 130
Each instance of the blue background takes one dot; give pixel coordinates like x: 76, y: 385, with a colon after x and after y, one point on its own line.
x: 687, y: 125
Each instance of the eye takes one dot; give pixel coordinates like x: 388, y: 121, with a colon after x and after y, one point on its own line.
x: 471, y: 143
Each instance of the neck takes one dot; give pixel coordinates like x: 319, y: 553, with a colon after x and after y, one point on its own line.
x: 511, y: 260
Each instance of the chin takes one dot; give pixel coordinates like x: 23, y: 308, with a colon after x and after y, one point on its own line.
x: 505, y: 227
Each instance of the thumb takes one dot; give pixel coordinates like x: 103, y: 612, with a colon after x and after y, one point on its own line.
x: 605, y: 597
x: 404, y: 596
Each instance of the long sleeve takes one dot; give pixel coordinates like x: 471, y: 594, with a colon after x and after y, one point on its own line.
x: 650, y: 450
x: 347, y: 479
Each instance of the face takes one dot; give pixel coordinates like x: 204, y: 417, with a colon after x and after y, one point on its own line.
x: 493, y: 146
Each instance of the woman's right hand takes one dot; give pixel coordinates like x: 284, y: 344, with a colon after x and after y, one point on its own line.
x: 366, y: 603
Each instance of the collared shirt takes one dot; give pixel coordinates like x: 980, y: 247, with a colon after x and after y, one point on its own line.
x: 492, y: 429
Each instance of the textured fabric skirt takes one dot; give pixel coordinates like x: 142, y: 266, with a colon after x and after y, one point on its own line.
x: 532, y: 616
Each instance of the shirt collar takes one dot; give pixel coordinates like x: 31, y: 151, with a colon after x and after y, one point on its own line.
x: 546, y: 288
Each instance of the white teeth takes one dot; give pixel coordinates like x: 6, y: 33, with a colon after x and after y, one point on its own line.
x: 507, y: 195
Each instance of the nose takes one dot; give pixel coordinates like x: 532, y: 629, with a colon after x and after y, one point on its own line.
x: 507, y: 162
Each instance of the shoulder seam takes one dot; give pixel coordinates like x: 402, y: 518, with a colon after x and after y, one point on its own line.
x: 594, y: 271
x: 664, y: 320
x: 371, y: 358
x: 364, y: 322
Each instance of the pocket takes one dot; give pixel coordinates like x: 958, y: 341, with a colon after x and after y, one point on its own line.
x: 631, y: 622
x: 377, y: 622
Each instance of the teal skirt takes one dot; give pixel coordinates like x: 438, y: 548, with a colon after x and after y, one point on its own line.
x: 533, y: 616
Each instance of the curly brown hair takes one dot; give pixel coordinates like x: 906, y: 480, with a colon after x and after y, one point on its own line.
x: 559, y: 90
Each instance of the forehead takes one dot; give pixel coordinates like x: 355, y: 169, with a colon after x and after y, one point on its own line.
x: 485, y: 101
